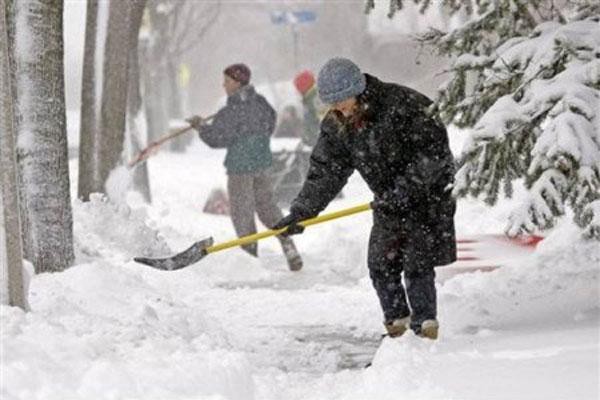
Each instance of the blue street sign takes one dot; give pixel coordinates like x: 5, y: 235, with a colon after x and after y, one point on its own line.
x: 293, y: 17
x: 304, y: 16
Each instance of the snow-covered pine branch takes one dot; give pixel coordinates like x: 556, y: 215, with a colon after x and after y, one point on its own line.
x: 470, y: 92
x: 555, y: 105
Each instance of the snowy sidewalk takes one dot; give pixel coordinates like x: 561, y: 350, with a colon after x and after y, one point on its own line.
x: 234, y: 327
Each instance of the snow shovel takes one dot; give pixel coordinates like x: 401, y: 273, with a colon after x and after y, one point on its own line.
x: 200, y: 249
x: 153, y: 147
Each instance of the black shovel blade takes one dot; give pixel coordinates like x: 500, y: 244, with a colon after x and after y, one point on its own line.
x: 192, y: 255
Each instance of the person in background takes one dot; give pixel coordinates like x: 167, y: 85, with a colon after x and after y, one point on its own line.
x: 385, y: 131
x: 244, y: 127
x: 305, y: 84
x: 290, y: 125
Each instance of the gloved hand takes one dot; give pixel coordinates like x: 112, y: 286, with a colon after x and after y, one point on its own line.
x: 195, y: 121
x: 291, y: 222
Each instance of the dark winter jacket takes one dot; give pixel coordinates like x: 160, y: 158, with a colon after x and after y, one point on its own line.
x: 403, y: 155
x: 244, y: 126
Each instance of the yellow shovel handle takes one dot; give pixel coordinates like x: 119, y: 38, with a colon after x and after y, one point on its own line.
x: 273, y: 232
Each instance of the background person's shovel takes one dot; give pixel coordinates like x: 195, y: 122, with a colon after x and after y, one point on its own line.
x: 154, y: 146
x: 200, y: 249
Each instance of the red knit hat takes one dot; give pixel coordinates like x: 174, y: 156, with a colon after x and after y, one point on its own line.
x: 238, y: 72
x: 304, y: 81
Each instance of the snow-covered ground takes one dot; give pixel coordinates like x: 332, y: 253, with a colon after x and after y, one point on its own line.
x: 234, y: 327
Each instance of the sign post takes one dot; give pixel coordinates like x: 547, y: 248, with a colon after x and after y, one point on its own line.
x: 293, y: 18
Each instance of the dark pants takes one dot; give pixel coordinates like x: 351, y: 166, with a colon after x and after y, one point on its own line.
x: 388, y: 260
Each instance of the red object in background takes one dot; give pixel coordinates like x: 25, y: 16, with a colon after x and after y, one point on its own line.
x: 488, y: 252
x: 527, y: 240
x: 304, y: 81
x: 471, y: 244
x: 217, y: 202
x: 521, y: 240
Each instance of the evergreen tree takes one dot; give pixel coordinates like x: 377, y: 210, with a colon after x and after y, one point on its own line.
x: 526, y: 79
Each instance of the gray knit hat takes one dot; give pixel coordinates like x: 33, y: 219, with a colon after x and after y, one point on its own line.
x: 340, y: 79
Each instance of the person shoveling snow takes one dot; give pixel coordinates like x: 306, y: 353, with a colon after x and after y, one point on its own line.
x: 383, y: 131
x: 244, y: 127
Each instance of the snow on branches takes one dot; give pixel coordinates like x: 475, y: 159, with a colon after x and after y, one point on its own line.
x: 545, y: 129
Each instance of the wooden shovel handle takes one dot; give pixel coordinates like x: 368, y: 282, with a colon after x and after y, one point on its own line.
x: 153, y: 147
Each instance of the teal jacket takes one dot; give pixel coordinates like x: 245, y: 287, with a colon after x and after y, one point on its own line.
x: 244, y: 127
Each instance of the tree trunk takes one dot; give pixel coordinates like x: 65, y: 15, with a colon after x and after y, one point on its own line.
x: 88, y: 125
x: 135, y: 97
x: 141, y: 181
x: 114, y: 88
x: 174, y: 104
x: 9, y: 8
x: 175, y: 96
x: 41, y: 134
x: 156, y: 118
x: 11, y: 252
x: 153, y: 76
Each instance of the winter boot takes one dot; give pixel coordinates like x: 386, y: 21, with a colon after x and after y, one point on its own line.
x: 429, y: 329
x: 397, y: 327
x: 291, y: 253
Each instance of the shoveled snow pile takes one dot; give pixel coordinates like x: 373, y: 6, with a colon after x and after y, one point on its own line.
x: 560, y: 282
x: 99, y: 331
x: 112, y: 231
x: 119, y: 181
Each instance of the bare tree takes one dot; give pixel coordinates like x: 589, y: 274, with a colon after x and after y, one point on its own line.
x: 104, y: 134
x: 11, y: 253
x: 41, y: 131
x: 87, y: 182
x: 176, y: 27
x: 113, y: 108
x: 141, y: 181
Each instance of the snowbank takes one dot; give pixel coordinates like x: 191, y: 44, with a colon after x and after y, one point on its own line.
x: 560, y: 282
x: 512, y: 319
x: 108, y: 328
x: 105, y: 332
x: 114, y: 231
